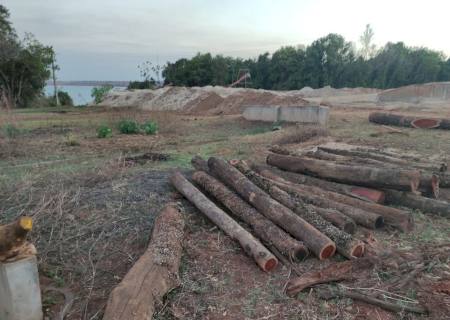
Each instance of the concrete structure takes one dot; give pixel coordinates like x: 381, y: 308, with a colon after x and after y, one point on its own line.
x: 20, y: 294
x: 306, y: 114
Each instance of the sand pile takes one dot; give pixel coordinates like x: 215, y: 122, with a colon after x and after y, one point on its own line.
x: 417, y: 93
x: 213, y: 100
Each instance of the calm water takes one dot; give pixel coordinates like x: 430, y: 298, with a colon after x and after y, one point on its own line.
x: 79, y: 94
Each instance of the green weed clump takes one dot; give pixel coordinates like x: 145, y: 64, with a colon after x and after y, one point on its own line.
x: 128, y: 126
x: 149, y: 127
x: 11, y: 131
x: 104, y: 132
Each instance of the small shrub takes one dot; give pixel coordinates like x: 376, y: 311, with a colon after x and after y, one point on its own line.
x: 71, y: 140
x: 11, y: 131
x: 128, y: 126
x: 104, y: 132
x: 150, y: 127
x: 99, y: 93
x: 65, y: 99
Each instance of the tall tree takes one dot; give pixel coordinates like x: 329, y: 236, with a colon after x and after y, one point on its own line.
x: 368, y: 48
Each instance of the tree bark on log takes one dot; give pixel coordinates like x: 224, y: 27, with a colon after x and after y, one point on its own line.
x: 263, y: 257
x: 13, y: 236
x: 357, y: 209
x: 335, y: 272
x: 318, y: 243
x: 264, y: 228
x: 154, y: 274
x: 368, y: 194
x: 413, y: 201
x: 359, y: 175
x: 408, y: 121
x: 345, y: 244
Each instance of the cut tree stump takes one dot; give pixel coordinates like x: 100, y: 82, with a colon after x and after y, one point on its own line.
x: 263, y: 257
x: 358, y: 175
x: 408, y: 121
x: 154, y: 274
x: 345, y: 244
x: 413, y: 201
x: 13, y: 237
x: 334, y: 272
x: 397, y: 218
x: 368, y: 194
x: 318, y: 243
x: 264, y: 228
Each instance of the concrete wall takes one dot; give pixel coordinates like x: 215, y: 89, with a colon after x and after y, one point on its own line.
x: 308, y: 114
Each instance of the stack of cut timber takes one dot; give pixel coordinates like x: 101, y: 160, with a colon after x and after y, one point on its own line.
x: 364, y: 178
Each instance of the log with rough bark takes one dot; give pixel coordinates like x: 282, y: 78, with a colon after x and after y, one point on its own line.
x: 359, y: 175
x: 408, y: 121
x: 154, y: 274
x: 317, y: 242
x: 349, y: 190
x: 413, y: 201
x: 263, y: 257
x: 345, y: 244
x: 335, y: 272
x: 264, y: 228
x: 13, y: 237
x: 332, y: 293
x: 363, y: 212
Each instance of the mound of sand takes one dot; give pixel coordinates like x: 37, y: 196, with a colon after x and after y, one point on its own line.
x: 211, y: 100
x: 417, y: 93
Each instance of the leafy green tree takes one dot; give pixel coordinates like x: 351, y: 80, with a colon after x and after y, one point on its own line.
x: 368, y: 48
x: 99, y: 93
x: 24, y: 65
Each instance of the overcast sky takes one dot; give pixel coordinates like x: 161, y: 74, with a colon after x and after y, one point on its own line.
x: 107, y: 39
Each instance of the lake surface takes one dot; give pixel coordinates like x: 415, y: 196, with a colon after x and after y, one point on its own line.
x: 79, y: 94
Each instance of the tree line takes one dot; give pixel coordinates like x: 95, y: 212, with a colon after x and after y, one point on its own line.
x: 328, y: 61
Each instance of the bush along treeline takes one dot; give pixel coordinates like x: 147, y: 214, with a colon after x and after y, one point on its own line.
x: 25, y: 65
x: 330, y: 60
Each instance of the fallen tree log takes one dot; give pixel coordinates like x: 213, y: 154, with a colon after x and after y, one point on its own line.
x: 345, y: 244
x: 334, y: 272
x: 263, y: 257
x: 359, y: 175
x: 199, y: 164
x: 332, y: 293
x: 363, y: 212
x: 413, y: 201
x: 13, y: 236
x: 349, y: 190
x: 154, y: 274
x: 318, y: 243
x: 408, y: 121
x: 264, y: 228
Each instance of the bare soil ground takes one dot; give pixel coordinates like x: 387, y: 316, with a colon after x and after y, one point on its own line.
x: 94, y: 212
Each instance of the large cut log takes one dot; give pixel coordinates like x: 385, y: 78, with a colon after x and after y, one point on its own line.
x: 345, y: 244
x: 413, y: 201
x: 13, y: 236
x: 263, y: 257
x: 349, y: 190
x: 154, y: 274
x: 335, y: 272
x: 317, y: 242
x: 264, y: 228
x: 408, y: 121
x: 359, y: 175
x: 352, y: 206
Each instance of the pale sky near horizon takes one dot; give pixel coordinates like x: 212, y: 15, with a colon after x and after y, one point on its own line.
x: 107, y: 39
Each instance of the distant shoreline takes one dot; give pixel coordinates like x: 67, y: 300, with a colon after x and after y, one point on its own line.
x: 89, y: 83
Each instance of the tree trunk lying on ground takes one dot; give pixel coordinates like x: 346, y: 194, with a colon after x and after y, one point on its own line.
x: 154, y: 274
x: 363, y: 212
x: 318, y: 243
x: 345, y: 244
x: 408, y: 121
x: 349, y: 190
x: 359, y: 175
x: 332, y: 293
x: 263, y: 257
x: 13, y: 236
x: 200, y: 164
x: 413, y: 201
x: 335, y: 272
x: 264, y: 228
